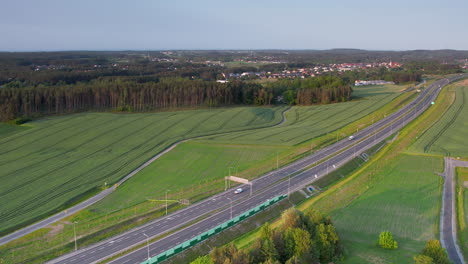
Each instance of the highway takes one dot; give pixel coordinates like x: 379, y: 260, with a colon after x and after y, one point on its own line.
x: 265, y: 187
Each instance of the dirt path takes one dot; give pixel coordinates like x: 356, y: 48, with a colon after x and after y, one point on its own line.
x: 448, y: 225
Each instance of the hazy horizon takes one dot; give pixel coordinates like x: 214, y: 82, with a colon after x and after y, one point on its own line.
x: 54, y: 25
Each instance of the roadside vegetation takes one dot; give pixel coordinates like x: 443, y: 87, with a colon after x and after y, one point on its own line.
x: 462, y: 209
x: 306, y: 237
x: 447, y: 136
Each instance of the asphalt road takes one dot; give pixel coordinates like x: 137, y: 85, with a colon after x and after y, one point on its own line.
x: 265, y: 187
x: 448, y: 226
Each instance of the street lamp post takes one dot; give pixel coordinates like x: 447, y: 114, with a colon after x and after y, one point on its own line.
x: 289, y: 185
x: 327, y: 167
x: 231, y: 205
x: 277, y: 160
x: 74, y: 232
x: 147, y: 244
x: 166, y: 200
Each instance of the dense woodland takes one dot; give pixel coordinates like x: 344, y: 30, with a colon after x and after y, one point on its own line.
x: 306, y: 237
x: 42, y: 83
x: 129, y: 95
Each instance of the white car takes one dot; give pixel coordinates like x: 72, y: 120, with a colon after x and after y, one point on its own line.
x: 238, y: 190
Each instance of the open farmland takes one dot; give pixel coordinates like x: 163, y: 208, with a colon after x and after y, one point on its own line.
x: 447, y: 136
x: 194, y: 169
x: 7, y: 130
x: 410, y: 210
x: 300, y: 123
x: 308, y: 122
x: 189, y: 164
x: 58, y: 159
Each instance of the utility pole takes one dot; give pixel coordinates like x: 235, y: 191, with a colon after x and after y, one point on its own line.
x: 166, y: 200
x: 327, y: 165
x: 277, y: 160
x: 231, y: 205
x: 74, y: 232
x: 289, y: 185
x: 147, y: 244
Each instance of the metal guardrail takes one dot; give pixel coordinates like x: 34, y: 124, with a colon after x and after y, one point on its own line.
x: 192, y: 242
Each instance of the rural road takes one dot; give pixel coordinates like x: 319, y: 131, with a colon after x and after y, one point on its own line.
x: 216, y: 210
x: 448, y: 223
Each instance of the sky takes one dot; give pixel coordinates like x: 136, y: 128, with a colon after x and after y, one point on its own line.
x: 48, y: 25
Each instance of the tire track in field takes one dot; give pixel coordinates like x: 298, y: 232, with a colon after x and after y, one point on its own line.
x: 56, y: 143
x: 223, y: 124
x: 122, y: 166
x: 40, y: 138
x: 447, y: 126
x: 262, y: 117
x: 64, y: 153
x: 36, y: 128
x: 324, y: 119
x: 243, y: 133
x: 44, y: 195
x: 349, y: 120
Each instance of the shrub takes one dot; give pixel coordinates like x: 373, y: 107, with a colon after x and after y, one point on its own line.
x: 434, y: 250
x: 386, y: 240
x: 422, y: 259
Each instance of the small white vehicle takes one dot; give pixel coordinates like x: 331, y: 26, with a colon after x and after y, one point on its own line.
x: 351, y: 138
x: 238, y: 190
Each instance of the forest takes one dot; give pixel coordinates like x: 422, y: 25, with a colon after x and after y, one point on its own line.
x: 119, y: 94
x: 308, y: 237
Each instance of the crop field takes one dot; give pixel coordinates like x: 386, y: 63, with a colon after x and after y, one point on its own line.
x: 447, y: 136
x: 308, y: 122
x: 189, y: 163
x: 60, y: 158
x: 462, y: 209
x: 7, y: 130
x: 200, y: 164
x: 263, y: 144
x: 410, y: 210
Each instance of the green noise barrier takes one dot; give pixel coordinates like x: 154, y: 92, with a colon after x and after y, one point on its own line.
x: 192, y: 242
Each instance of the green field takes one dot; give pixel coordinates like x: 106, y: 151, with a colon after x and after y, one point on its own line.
x: 410, y: 210
x: 308, y: 122
x: 462, y: 209
x: 60, y: 158
x: 8, y: 130
x: 195, y: 169
x: 447, y: 136
x: 190, y: 163
x: 246, y: 151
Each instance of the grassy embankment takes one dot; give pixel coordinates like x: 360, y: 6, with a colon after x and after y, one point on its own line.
x: 387, y: 193
x: 462, y: 209
x: 447, y: 137
x: 187, y: 161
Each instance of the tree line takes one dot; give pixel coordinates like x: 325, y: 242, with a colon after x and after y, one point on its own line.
x: 121, y: 94
x: 308, y: 237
